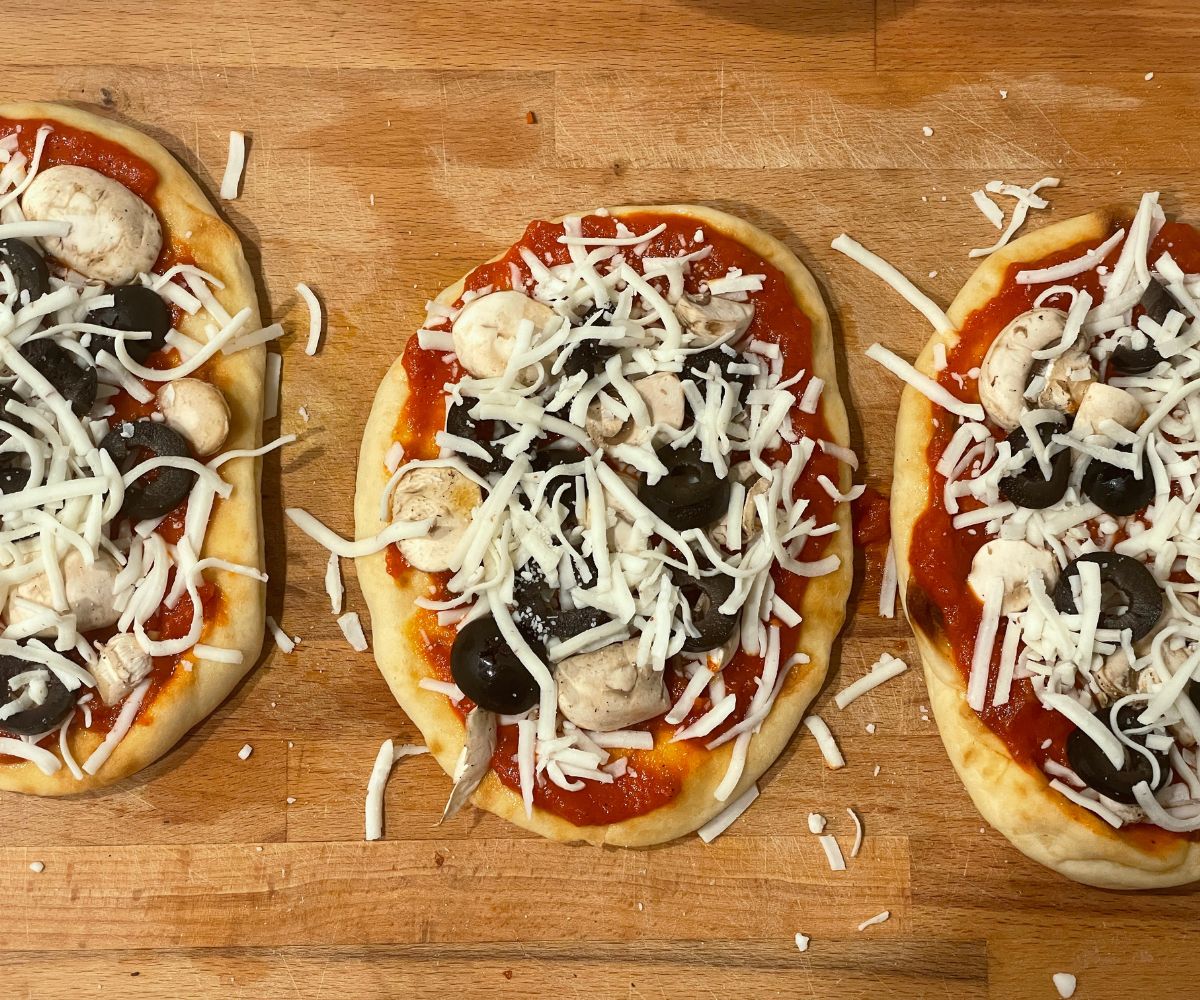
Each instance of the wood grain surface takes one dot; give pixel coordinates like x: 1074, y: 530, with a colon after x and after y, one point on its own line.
x: 391, y: 149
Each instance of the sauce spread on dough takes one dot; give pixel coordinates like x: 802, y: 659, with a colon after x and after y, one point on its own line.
x: 938, y: 598
x: 654, y: 777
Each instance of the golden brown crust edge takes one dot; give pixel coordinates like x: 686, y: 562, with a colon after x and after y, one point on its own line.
x: 235, y: 529
x: 823, y: 607
x: 1016, y: 801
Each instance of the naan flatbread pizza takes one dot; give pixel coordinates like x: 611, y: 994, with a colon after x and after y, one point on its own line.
x: 131, y: 402
x: 608, y: 484
x: 1044, y: 518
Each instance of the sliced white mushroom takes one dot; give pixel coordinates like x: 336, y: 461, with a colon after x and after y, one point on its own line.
x: 1106, y: 402
x: 710, y: 318
x: 750, y: 521
x: 114, y: 235
x: 122, y: 665
x: 1009, y: 366
x: 602, y: 424
x: 662, y: 393
x: 445, y: 495
x: 197, y: 410
x: 1114, y: 679
x: 485, y: 331
x: 606, y: 690
x: 89, y: 591
x: 1013, y: 561
x: 475, y: 761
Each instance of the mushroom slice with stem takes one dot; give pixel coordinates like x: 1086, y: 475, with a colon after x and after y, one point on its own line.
x: 1009, y: 366
x: 485, y: 331
x: 476, y: 759
x: 114, y: 235
x: 1014, y: 561
x: 710, y: 318
x: 445, y: 495
x: 607, y: 690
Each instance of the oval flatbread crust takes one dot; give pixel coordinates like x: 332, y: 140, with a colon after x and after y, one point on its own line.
x: 1016, y: 800
x: 235, y: 528
x: 823, y: 607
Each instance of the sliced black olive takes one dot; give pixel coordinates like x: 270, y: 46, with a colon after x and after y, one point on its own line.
x: 1115, y: 490
x: 1130, y: 360
x: 1093, y: 766
x: 691, y: 494
x: 489, y: 672
x: 135, y: 309
x: 698, y: 364
x: 1157, y: 303
x: 588, y: 356
x: 534, y: 602
x: 1129, y: 595
x: 705, y: 595
x: 1028, y: 487
x: 13, y: 479
x: 568, y: 624
x: 596, y: 316
x: 28, y: 268
x: 161, y: 490
x: 63, y: 371
x: 7, y: 395
x: 545, y: 459
x: 40, y: 718
x: 460, y: 423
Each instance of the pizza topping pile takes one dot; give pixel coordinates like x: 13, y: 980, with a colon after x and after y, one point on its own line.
x: 1083, y: 471
x: 102, y: 520
x: 617, y: 479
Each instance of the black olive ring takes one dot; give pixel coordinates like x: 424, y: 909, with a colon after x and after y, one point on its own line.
x: 488, y: 672
x: 1125, y: 583
x: 135, y: 309
x: 1091, y: 763
x: 1028, y: 487
x: 460, y: 423
x: 1115, y: 490
x: 161, y: 490
x: 27, y: 266
x: 691, y: 494
x: 40, y: 718
x: 61, y: 369
x: 713, y: 626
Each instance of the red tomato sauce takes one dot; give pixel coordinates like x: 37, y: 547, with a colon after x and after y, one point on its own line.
x: 654, y: 777
x: 75, y: 147
x: 68, y: 145
x: 939, y: 599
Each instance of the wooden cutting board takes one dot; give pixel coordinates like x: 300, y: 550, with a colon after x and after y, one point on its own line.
x: 393, y: 147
